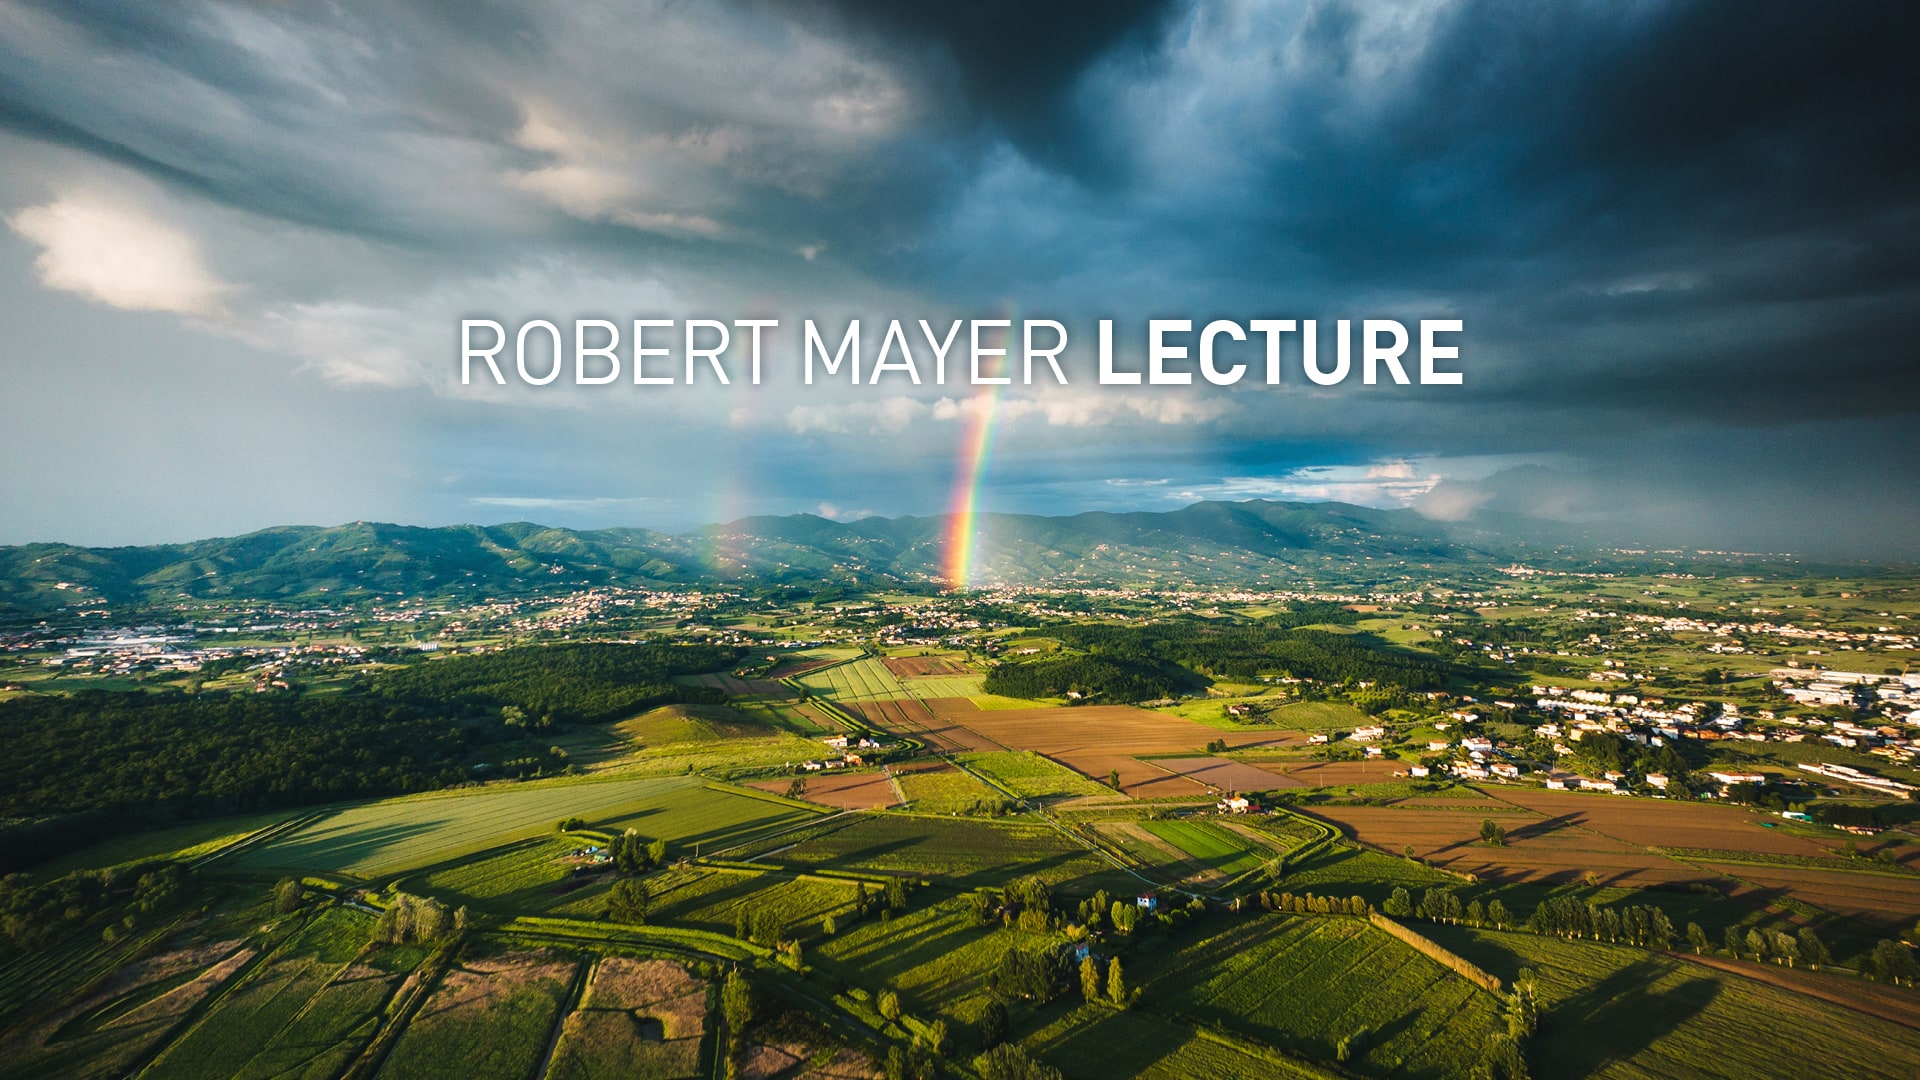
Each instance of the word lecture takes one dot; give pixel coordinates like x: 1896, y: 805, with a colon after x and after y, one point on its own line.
x: 984, y: 352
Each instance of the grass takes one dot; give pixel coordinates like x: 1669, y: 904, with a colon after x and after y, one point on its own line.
x: 1095, y: 1040
x: 525, y: 877
x: 960, y: 852
x: 301, y: 1001
x: 178, y: 842
x: 1302, y: 984
x: 482, y: 1024
x: 396, y: 835
x: 710, y: 899
x: 1210, y: 846
x: 936, y: 956
x: 946, y: 791
x: 670, y: 724
x: 1032, y: 776
x: 1614, y: 1011
x: 865, y: 679
x: 945, y: 686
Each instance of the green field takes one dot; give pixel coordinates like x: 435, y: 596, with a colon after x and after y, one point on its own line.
x: 1621, y: 1012
x: 488, y: 1019
x: 396, y: 835
x: 1211, y: 846
x: 1302, y: 984
x: 1032, y: 776
x: 865, y: 679
x: 304, y: 1013
x: 946, y: 791
x: 959, y: 852
x: 944, y: 686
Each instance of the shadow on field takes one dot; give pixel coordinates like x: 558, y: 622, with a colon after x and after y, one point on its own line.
x: 329, y: 850
x: 1617, y: 1018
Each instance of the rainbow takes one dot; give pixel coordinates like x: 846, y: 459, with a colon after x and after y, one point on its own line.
x: 976, y: 444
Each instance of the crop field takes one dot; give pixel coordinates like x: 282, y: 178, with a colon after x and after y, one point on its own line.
x: 1886, y: 902
x: 711, y: 899
x: 1221, y: 852
x: 865, y: 679
x: 395, y: 835
x: 1538, y: 848
x: 1348, y: 774
x: 1622, y: 1012
x: 943, y: 789
x: 960, y: 852
x: 911, y: 666
x: 957, y: 685
x: 1094, y: 740
x: 488, y: 1018
x: 936, y: 956
x: 306, y: 1011
x: 1031, y: 776
x: 1663, y: 823
x: 1303, y: 983
x: 1220, y: 774
x: 843, y: 789
x: 1357, y: 871
x: 1094, y: 1040
x: 642, y: 1019
x: 524, y: 877
x: 120, y: 1020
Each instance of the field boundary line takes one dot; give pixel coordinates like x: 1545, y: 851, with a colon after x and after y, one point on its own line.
x: 1436, y: 952
x: 583, y: 970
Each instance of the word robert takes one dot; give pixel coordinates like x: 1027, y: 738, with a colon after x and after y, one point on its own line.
x: 1223, y: 352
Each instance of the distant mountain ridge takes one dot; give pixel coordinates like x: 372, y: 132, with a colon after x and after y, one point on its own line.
x: 1213, y: 542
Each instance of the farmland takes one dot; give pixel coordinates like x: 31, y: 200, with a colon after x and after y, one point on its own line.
x: 490, y: 1017
x: 403, y: 834
x: 466, y: 932
x: 1621, y: 1012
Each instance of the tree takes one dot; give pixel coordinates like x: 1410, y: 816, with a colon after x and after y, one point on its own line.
x: 1501, y: 1060
x: 828, y: 926
x: 1892, y: 962
x: 1090, y: 979
x: 736, y: 1007
x: 1008, y: 1061
x: 1757, y: 944
x: 1475, y: 913
x: 1812, y: 949
x: 1523, y: 1006
x: 790, y: 954
x: 1786, y: 947
x: 1697, y: 937
x: 1731, y: 941
x: 896, y: 894
x: 1492, y: 833
x: 993, y: 1025
x: 890, y: 1006
x: 1113, y: 777
x: 1400, y: 904
x: 627, y: 902
x: 286, y: 895
x: 1498, y: 915
x: 1116, y: 983
x: 937, y: 1038
x: 657, y: 852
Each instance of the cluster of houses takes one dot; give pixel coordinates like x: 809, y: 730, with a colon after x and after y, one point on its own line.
x: 853, y: 751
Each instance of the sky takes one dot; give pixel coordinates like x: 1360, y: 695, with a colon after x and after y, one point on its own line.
x: 238, y: 241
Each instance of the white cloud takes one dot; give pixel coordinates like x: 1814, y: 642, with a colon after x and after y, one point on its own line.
x: 119, y: 254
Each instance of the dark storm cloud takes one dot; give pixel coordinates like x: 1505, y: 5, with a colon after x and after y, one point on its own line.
x: 1671, y: 228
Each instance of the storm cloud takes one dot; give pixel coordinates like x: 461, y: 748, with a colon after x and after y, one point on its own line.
x: 1684, y: 238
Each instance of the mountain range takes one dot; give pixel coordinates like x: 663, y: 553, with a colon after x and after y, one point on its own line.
x: 1254, y: 542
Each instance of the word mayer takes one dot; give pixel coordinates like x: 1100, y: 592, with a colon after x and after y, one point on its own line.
x: 665, y: 352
